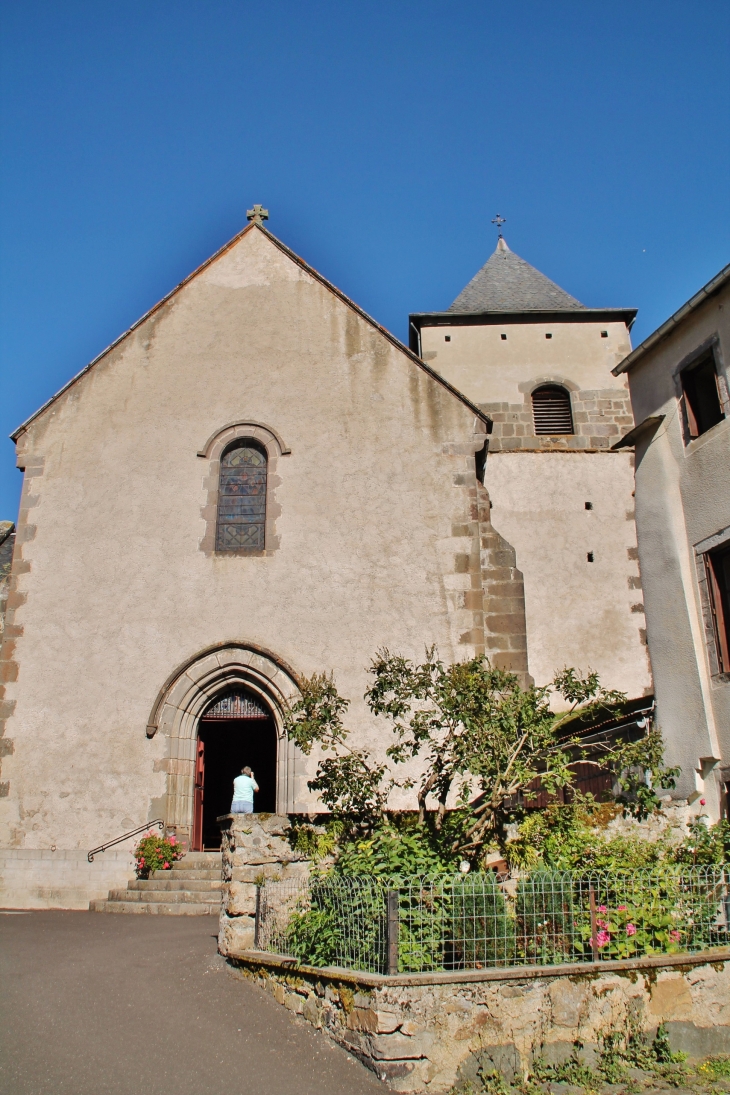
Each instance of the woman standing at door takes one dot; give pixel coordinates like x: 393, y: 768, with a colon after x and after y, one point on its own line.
x: 243, y: 792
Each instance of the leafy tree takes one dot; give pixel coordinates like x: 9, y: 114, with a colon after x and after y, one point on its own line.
x: 473, y: 730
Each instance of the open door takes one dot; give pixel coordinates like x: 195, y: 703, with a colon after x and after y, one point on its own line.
x: 197, y: 845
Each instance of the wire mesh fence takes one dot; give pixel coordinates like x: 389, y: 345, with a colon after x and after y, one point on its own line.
x: 474, y: 921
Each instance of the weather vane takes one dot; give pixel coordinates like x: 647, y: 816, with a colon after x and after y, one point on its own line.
x: 499, y: 221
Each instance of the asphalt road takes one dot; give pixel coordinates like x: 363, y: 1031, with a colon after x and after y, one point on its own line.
x: 93, y: 1003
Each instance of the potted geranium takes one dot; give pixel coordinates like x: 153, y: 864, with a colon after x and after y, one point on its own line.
x: 155, y: 853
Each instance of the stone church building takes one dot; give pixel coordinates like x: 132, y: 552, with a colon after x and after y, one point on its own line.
x: 257, y: 482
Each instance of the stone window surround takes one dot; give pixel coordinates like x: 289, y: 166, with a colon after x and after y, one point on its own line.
x: 719, y: 539
x: 212, y: 451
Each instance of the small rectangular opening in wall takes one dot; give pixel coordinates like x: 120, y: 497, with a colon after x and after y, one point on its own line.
x: 717, y: 566
x: 701, y: 397
x: 604, y: 334
x: 548, y: 336
x: 589, y: 505
x: 447, y: 338
x: 504, y: 338
x: 589, y: 557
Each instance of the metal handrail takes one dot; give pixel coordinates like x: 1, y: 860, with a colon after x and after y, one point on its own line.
x: 133, y: 832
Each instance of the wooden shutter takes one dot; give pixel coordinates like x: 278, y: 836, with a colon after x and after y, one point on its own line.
x: 717, y: 583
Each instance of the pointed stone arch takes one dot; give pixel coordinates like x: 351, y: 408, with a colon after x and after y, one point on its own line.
x: 189, y: 691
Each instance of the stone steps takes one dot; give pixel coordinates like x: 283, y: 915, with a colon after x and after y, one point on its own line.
x: 212, y: 876
x: 191, y: 887
x: 155, y: 908
x: 166, y: 897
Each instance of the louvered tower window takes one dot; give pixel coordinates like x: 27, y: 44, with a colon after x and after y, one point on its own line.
x: 242, y: 498
x: 551, y: 410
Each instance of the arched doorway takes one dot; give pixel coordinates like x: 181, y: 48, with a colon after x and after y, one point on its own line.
x: 237, y: 729
x: 191, y: 691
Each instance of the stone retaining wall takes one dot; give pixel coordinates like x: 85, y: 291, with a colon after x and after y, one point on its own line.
x: 424, y: 1032
x: 254, y: 846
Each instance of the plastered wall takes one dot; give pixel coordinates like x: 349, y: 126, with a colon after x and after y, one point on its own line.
x: 491, y: 369
x: 579, y: 613
x: 376, y: 539
x: 682, y: 501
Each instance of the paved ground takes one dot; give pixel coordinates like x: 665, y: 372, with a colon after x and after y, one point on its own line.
x: 92, y: 1004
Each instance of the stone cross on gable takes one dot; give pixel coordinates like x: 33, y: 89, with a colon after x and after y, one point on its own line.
x: 258, y: 214
x: 499, y: 221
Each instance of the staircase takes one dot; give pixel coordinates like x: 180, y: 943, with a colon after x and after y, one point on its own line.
x: 191, y: 887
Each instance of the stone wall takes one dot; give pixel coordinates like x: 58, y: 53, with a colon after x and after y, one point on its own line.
x: 61, y: 878
x: 425, y: 1032
x: 600, y: 418
x: 254, y: 847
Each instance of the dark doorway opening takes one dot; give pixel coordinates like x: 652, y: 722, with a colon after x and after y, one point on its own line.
x: 237, y: 730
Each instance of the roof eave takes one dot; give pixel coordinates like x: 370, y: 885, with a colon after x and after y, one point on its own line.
x: 713, y: 286
x: 536, y: 315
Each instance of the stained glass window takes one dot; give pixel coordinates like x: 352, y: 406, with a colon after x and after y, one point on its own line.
x: 242, y: 498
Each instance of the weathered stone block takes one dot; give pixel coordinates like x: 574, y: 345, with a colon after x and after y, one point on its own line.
x: 236, y: 934
x: 240, y: 899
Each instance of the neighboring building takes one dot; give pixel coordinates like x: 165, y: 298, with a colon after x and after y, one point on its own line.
x: 257, y: 482
x: 539, y: 364
x: 678, y: 378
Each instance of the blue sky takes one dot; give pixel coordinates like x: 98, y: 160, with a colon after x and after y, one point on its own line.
x: 383, y: 136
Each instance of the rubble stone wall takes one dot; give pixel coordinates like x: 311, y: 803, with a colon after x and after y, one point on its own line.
x: 422, y: 1034
x: 254, y: 846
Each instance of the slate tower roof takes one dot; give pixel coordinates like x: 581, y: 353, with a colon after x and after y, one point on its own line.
x: 506, y: 283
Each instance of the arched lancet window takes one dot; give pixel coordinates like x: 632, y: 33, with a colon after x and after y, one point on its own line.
x: 551, y: 410
x: 242, y: 498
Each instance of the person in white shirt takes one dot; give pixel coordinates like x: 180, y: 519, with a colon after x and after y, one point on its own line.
x: 243, y: 790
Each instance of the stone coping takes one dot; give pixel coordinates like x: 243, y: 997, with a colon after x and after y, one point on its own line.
x: 282, y: 963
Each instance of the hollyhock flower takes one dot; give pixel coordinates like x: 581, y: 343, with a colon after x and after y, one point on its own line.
x: 622, y: 908
x: 602, y: 938
x: 674, y: 936
x: 631, y: 929
x: 166, y: 866
x: 703, y: 802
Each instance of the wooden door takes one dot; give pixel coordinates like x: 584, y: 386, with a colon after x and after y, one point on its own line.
x: 197, y: 845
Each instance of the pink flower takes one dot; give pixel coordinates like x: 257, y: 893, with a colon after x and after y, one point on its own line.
x: 674, y: 936
x: 631, y: 929
x: 602, y: 938
x: 602, y: 908
x: 173, y: 840
x: 166, y: 866
x: 622, y: 908
x: 703, y: 802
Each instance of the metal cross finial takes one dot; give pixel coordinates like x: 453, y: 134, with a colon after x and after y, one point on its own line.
x: 258, y: 214
x: 499, y: 221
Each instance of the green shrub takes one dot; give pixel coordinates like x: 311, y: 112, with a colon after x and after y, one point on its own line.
x: 482, y: 930
x: 155, y: 853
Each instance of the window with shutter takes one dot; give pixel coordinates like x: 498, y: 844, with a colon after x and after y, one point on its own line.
x: 242, y: 498
x: 717, y: 564
x: 702, y: 406
x: 551, y: 410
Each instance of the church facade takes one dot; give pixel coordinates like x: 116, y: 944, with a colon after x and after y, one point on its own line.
x: 257, y: 482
